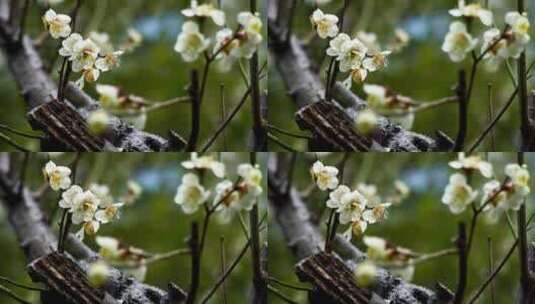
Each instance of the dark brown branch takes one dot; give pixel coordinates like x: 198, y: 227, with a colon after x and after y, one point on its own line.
x: 462, y: 246
x: 195, y: 263
x: 463, y: 112
x: 195, y: 111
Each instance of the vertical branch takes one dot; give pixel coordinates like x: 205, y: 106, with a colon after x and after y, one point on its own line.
x: 523, y: 244
x: 523, y: 94
x: 66, y: 216
x: 195, y: 263
x: 463, y: 112
x: 23, y: 16
x: 463, y: 264
x: 259, y: 130
x: 333, y: 66
x: 334, y: 216
x: 259, y: 280
x: 195, y: 111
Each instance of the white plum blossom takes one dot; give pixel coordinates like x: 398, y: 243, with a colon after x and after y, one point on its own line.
x: 102, y: 40
x: 401, y: 40
x: 205, y: 10
x: 376, y: 61
x: 228, y: 199
x: 84, y: 54
x: 458, y: 194
x: 205, y: 162
x: 473, y: 10
x: 109, y: 213
x: 370, y: 192
x: 191, y: 194
x: 335, y: 45
x: 495, y: 199
x: 377, y: 249
x: 85, y: 205
x: 352, y: 54
x: 326, y: 24
x: 109, y: 61
x: 495, y: 48
x: 250, y: 35
x: 67, y: 197
x: 191, y: 42
x: 369, y: 40
x: 376, y: 95
x: 67, y: 49
x: 57, y: 24
x: 252, y: 177
x: 458, y: 42
x: 352, y: 205
x: 335, y: 197
x: 472, y: 163
x: 519, y: 25
x: 376, y: 214
x: 58, y: 177
x: 324, y: 176
x: 518, y: 186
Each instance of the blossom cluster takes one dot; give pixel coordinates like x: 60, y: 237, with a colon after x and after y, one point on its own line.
x: 356, y: 208
x: 497, y: 45
x: 90, y: 56
x: 497, y: 197
x: 353, y: 55
x: 230, y: 45
x: 229, y: 197
x: 91, y: 207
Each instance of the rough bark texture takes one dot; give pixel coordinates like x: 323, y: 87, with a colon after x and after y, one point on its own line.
x: 38, y: 241
x: 37, y: 88
x: 332, y: 128
x: 304, y: 86
x: 332, y: 279
x: 304, y: 239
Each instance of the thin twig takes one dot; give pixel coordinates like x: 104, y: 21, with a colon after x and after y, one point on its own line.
x: 463, y: 264
x: 12, y: 295
x: 195, y: 111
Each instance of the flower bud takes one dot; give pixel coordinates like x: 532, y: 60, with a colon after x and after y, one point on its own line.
x: 98, y: 273
x: 366, y: 122
x: 98, y: 121
x: 365, y: 274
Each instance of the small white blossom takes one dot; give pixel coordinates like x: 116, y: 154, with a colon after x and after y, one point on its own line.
x: 109, y: 213
x: 102, y: 40
x: 370, y: 193
x: 67, y: 49
x: 57, y: 24
x: 205, y: 163
x: 495, y: 200
x: 205, y: 10
x: 335, y: 197
x: 325, y: 24
x: 85, y: 205
x: 134, y: 191
x: 496, y: 48
x: 58, y: 177
x: 472, y: 163
x: 473, y: 10
x: 85, y: 53
x: 376, y: 61
x: 520, y: 26
x: 352, y: 205
x: 401, y: 40
x: 518, y: 186
x: 335, y: 45
x: 352, y: 54
x: 369, y: 40
x: 376, y: 214
x: 376, y: 95
x: 191, y: 194
x: 67, y: 197
x: 250, y: 36
x: 228, y: 199
x: 458, y: 42
x: 377, y: 248
x: 252, y: 177
x: 458, y: 194
x: 324, y: 176
x: 109, y: 61
x: 191, y: 42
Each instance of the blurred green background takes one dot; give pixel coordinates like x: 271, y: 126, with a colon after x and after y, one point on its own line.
x: 421, y: 71
x: 154, y: 222
x: 154, y: 71
x: 421, y: 223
